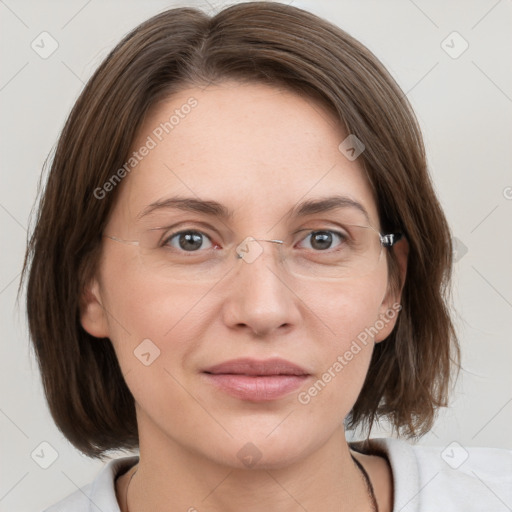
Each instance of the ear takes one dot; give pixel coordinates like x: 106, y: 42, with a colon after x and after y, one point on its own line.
x: 390, y: 306
x: 93, y: 316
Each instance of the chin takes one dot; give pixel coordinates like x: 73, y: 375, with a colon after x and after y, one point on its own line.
x: 260, y: 451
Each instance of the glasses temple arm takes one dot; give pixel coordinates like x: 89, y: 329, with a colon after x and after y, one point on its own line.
x: 390, y: 239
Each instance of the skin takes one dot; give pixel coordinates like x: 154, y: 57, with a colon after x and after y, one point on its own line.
x: 258, y: 150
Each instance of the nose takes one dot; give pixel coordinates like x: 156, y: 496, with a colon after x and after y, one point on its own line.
x: 260, y: 298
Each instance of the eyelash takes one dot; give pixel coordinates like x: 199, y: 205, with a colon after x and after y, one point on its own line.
x: 169, y: 237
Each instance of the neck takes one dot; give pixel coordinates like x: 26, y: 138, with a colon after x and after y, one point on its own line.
x: 169, y: 476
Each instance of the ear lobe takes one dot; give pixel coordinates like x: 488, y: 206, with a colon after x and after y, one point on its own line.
x: 390, y: 306
x: 92, y: 313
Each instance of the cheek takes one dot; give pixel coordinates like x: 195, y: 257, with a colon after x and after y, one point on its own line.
x: 144, y: 313
x: 155, y: 333
x: 347, y: 308
x: 349, y: 315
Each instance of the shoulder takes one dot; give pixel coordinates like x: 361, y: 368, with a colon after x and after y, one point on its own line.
x: 100, y: 494
x: 451, y: 478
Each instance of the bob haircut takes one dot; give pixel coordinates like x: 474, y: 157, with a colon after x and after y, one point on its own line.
x: 410, y: 372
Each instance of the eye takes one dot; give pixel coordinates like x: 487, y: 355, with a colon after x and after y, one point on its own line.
x: 189, y: 241
x: 323, y: 240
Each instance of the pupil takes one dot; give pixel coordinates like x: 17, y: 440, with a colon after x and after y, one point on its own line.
x: 321, y: 240
x: 190, y: 240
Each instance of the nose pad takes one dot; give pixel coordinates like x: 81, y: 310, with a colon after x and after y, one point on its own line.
x: 250, y: 251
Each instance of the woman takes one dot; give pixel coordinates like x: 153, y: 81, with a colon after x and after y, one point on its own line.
x: 240, y: 219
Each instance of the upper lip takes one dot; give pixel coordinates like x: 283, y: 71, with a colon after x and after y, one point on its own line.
x: 247, y: 366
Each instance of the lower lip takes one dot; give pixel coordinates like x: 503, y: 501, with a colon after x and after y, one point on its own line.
x: 257, y: 388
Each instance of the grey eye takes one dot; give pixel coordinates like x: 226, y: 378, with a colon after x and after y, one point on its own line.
x: 189, y: 241
x: 322, y: 240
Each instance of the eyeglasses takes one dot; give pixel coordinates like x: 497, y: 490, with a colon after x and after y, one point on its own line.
x: 348, y: 251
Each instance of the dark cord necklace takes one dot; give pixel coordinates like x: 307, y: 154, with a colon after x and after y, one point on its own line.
x: 369, y: 486
x: 368, y: 482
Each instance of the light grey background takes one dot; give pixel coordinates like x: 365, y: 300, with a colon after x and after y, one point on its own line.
x: 464, y: 106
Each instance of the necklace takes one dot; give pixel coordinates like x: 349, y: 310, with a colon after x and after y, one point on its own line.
x: 366, y: 478
x: 369, y: 486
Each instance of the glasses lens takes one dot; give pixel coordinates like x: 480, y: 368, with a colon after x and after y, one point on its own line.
x: 185, y: 256
x: 350, y: 252
x: 340, y: 254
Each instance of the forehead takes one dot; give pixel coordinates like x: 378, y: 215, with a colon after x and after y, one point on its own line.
x: 256, y: 149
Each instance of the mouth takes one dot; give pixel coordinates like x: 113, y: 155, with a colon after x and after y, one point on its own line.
x: 256, y: 380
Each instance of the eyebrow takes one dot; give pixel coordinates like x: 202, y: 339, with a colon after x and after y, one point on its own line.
x: 213, y: 208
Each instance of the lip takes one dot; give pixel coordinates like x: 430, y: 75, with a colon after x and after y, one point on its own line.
x: 257, y: 367
x: 256, y: 380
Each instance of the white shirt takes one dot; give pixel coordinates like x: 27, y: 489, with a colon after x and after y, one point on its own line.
x: 425, y: 479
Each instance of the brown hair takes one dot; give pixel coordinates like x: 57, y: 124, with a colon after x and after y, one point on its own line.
x: 409, y: 374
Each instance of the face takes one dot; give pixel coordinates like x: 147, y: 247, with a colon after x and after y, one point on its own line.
x: 258, y: 151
